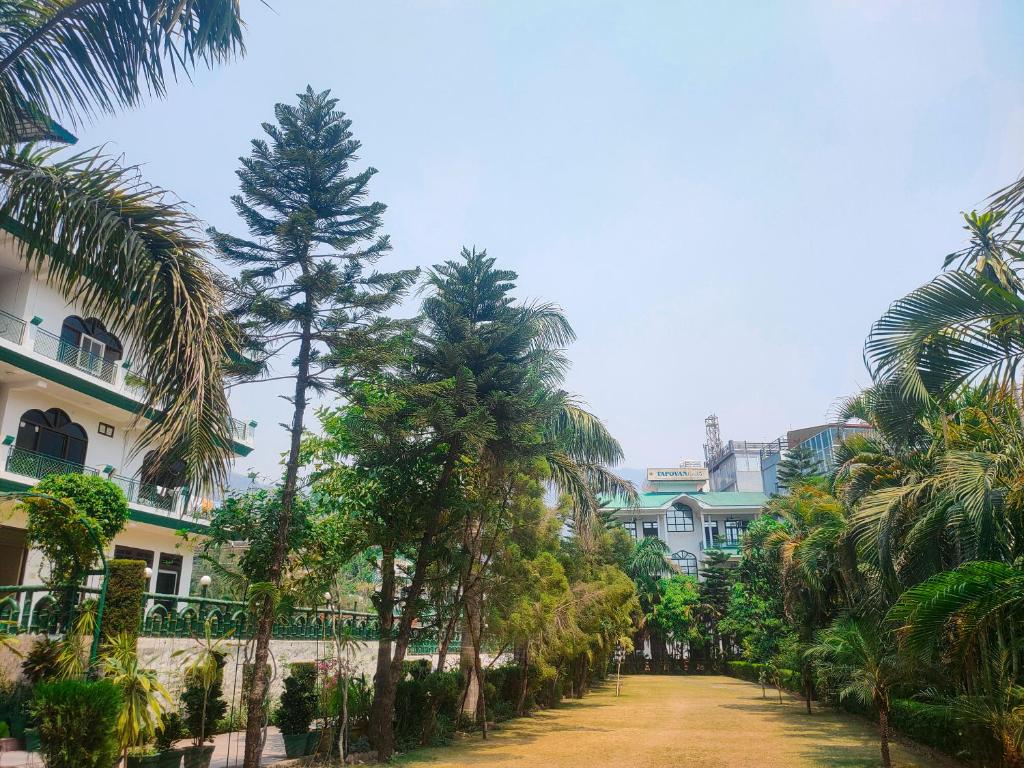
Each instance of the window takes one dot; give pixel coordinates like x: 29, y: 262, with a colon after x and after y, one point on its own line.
x: 680, y: 519
x: 107, y: 430
x: 95, y: 343
x: 650, y: 529
x: 52, y: 433
x: 734, y: 530
x: 630, y: 526
x: 686, y: 562
x: 134, y: 553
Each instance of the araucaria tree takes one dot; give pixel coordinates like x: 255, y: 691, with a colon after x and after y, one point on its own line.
x: 304, y: 289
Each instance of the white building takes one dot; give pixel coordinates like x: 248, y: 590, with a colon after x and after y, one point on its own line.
x: 67, y: 404
x: 679, y: 510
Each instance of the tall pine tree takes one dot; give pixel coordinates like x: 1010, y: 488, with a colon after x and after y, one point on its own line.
x: 305, y: 289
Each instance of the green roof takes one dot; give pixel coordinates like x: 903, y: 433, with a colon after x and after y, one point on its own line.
x: 732, y: 498
x: 661, y: 499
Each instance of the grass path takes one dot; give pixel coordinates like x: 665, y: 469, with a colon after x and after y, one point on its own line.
x: 658, y: 722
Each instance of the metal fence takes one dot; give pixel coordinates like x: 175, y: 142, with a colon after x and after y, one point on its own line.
x: 11, y: 328
x: 55, y: 348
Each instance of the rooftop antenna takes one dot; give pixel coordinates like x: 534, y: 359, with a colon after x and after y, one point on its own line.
x: 712, y: 439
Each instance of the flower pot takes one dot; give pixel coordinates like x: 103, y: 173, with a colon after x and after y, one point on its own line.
x: 198, y: 757
x: 295, y: 744
x: 171, y: 758
x: 9, y: 744
x: 31, y: 739
x: 143, y: 761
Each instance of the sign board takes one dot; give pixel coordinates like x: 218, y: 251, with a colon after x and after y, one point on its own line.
x: 677, y: 474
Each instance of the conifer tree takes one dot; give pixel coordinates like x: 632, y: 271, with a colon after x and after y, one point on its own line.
x: 798, y: 465
x: 305, y: 287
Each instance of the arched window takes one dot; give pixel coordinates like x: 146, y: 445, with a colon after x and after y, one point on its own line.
x: 167, y: 473
x: 52, y: 433
x: 680, y: 519
x: 161, y: 477
x: 687, y: 562
x: 94, y: 341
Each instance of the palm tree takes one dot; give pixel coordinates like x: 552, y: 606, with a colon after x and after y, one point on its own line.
x: 810, y: 546
x: 860, y: 658
x: 145, y: 698
x: 122, y: 247
x: 648, y: 564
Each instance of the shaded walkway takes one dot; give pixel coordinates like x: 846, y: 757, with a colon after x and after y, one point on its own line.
x: 678, y: 721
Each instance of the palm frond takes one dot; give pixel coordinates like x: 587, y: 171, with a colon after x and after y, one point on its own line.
x: 73, y: 58
x: 124, y: 252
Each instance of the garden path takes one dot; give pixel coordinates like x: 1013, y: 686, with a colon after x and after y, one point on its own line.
x: 657, y: 722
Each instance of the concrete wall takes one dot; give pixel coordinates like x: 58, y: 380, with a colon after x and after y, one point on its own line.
x: 158, y: 653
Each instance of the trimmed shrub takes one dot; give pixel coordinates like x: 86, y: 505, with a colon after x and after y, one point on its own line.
x: 122, y: 613
x: 192, y: 703
x: 298, y: 701
x: 78, y: 723
x: 417, y: 696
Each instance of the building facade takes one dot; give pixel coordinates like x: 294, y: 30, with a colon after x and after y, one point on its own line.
x: 820, y: 440
x: 736, y: 466
x: 678, y: 509
x: 68, y: 403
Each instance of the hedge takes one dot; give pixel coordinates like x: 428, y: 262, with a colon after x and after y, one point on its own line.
x: 122, y: 612
x: 789, y: 679
x: 926, y: 724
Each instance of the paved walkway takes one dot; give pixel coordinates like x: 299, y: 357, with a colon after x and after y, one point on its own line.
x: 663, y: 722
x: 227, y: 752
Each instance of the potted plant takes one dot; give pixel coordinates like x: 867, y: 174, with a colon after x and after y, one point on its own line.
x: 144, y: 698
x: 142, y: 757
x: 171, y: 731
x: 32, y: 740
x: 202, y: 699
x: 7, y: 742
x: 298, y: 703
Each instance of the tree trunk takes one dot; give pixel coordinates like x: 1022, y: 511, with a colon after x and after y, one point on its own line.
x: 525, y: 682
x: 807, y: 692
x: 265, y: 621
x: 883, y: 735
x: 382, y: 709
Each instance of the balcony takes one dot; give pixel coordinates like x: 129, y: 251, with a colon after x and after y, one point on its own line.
x: 53, y: 347
x: 11, y: 328
x: 37, y: 465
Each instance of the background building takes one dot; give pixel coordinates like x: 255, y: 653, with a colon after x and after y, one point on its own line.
x: 820, y: 440
x: 689, y: 519
x: 732, y: 466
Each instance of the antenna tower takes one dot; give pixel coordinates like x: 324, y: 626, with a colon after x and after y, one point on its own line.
x: 712, y: 439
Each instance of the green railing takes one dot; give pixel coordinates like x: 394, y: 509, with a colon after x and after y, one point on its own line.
x: 55, y: 348
x: 11, y: 328
x: 21, y: 461
x: 242, y: 431
x: 174, y: 616
x: 38, y: 465
x: 32, y: 610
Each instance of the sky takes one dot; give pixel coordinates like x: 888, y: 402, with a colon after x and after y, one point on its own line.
x: 722, y: 196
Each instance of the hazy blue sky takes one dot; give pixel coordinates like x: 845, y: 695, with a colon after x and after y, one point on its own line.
x: 723, y: 196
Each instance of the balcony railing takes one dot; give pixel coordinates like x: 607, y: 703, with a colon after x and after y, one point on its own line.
x: 11, y: 328
x: 242, y: 431
x: 55, y: 348
x: 38, y: 465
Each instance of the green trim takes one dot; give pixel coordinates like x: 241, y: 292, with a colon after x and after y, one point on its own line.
x: 138, y: 515
x: 174, y: 523
x: 83, y: 385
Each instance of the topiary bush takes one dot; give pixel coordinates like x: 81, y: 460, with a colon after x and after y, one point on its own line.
x: 298, y: 701
x: 78, y: 723
x: 122, y: 613
x: 61, y: 530
x: 192, y: 704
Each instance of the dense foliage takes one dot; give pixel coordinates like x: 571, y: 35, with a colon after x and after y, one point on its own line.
x: 77, y: 723
x: 126, y: 585
x: 70, y: 518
